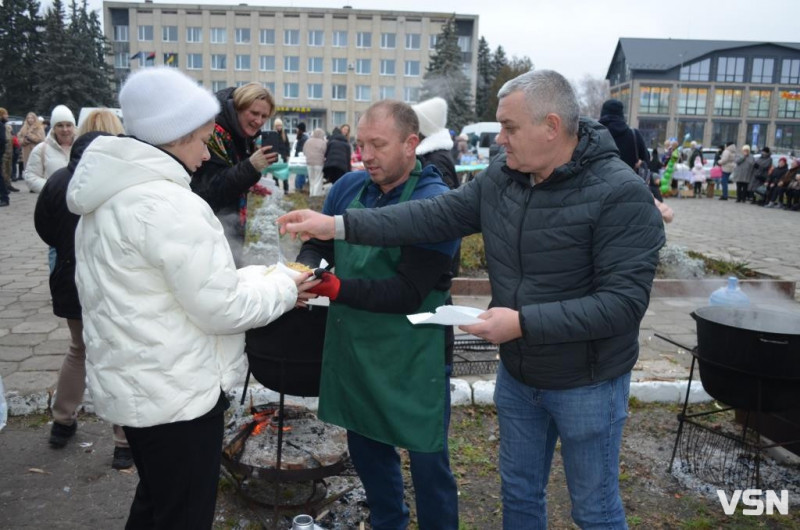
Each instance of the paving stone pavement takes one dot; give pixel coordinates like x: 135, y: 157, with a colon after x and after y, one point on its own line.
x: 33, y: 341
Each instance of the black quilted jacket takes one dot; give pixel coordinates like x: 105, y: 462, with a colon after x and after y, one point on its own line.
x: 575, y: 255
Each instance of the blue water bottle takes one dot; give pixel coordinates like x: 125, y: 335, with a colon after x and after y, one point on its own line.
x: 730, y: 295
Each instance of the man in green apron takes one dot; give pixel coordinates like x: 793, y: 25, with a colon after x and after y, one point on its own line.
x: 384, y: 380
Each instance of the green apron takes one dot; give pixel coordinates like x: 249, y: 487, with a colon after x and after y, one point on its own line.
x: 381, y: 376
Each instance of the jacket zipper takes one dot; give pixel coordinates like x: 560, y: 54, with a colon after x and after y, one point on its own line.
x: 519, y: 283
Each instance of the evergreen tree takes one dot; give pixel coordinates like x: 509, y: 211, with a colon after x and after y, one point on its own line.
x: 93, y: 48
x: 20, y: 48
x: 499, y: 61
x: 484, y: 81
x: 512, y: 69
x: 446, y: 79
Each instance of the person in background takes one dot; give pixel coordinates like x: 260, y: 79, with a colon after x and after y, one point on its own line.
x: 762, y: 167
x: 698, y: 177
x: 743, y: 173
x: 793, y: 189
x: 566, y: 319
x: 30, y: 135
x: 630, y: 144
x: 337, y: 157
x: 383, y: 379
x: 777, y: 176
x: 4, y: 199
x: 696, y: 151
x: 314, y: 149
x: 302, y: 137
x: 7, y: 153
x: 236, y: 162
x: 56, y: 225
x: 727, y: 162
x: 53, y: 153
x: 656, y: 167
x: 435, y: 142
x: 284, y: 149
x: 164, y: 307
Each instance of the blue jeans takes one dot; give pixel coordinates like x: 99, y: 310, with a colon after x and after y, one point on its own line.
x: 725, y: 179
x: 589, y: 422
x: 378, y: 467
x: 299, y: 182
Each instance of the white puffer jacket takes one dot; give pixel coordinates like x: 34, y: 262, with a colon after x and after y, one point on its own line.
x: 46, y: 158
x: 164, y: 308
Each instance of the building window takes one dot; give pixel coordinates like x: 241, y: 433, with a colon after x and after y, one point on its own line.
x: 723, y: 132
x: 216, y: 86
x: 194, y: 34
x: 412, y: 41
x: 388, y: 41
x: 411, y: 94
x: 339, y: 92
x: 727, y: 102
x: 387, y: 92
x: 316, y: 37
x: 243, y: 62
x: 340, y: 39
x: 363, y: 39
x: 122, y: 60
x: 412, y: 69
x: 169, y: 33
x: 788, y: 108
x: 699, y: 71
x: 790, y: 71
x: 693, y: 128
x: 145, y: 33
x: 291, y: 37
x: 291, y: 90
x: 387, y: 67
x: 219, y: 36
x: 730, y: 69
x: 654, y: 100
x: 432, y: 40
x: 120, y: 33
x: 758, y: 106
x: 338, y: 118
x: 315, y: 65
x: 315, y: 91
x: 171, y: 59
x: 266, y: 63
x: 363, y: 93
x: 291, y: 63
x: 219, y: 61
x: 270, y: 86
x: 465, y: 43
x: 692, y: 101
x: 242, y: 35
x: 762, y: 70
x: 240, y: 83
x: 756, y: 135
x: 339, y: 65
x: 266, y: 37
x: 654, y: 131
x: 363, y: 66
x: 787, y: 137
x: 194, y: 61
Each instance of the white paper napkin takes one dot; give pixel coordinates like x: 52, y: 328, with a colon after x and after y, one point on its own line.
x: 449, y: 315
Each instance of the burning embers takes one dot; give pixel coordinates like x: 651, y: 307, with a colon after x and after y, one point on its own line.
x: 310, y: 449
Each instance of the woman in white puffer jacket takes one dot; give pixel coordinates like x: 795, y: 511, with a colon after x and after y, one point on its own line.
x: 52, y: 154
x: 164, y: 308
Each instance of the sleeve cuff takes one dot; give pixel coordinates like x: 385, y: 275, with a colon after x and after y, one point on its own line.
x: 338, y: 231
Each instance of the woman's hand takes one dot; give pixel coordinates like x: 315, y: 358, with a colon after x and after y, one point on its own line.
x: 263, y: 157
x: 302, y: 289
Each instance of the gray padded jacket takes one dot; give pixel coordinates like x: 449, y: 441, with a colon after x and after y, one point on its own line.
x: 575, y: 255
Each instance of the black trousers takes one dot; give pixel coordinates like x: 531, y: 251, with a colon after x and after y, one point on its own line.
x: 741, y: 191
x: 178, y: 465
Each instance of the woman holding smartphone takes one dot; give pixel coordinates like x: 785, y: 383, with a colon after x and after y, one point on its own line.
x: 236, y: 161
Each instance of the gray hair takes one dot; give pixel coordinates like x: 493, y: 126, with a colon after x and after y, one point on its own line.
x: 546, y: 91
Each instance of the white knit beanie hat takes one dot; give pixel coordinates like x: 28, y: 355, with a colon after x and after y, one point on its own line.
x: 161, y: 105
x: 60, y: 114
x: 432, y: 115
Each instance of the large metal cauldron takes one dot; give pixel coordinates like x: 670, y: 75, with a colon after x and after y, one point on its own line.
x: 286, y: 355
x: 749, y: 355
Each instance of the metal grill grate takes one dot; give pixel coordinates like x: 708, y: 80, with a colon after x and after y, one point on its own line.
x: 474, y: 356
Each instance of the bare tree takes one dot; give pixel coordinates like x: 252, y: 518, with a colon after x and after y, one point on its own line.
x: 591, y: 92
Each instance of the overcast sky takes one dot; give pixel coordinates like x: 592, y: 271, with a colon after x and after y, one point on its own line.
x: 578, y: 37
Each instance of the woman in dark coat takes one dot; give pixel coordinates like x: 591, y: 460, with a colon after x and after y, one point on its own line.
x: 337, y: 157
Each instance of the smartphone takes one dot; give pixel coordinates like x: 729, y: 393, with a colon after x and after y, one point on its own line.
x: 271, y: 138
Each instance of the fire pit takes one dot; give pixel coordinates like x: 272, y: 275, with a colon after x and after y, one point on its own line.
x: 264, y: 451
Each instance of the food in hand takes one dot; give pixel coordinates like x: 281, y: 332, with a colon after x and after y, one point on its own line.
x: 299, y: 267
